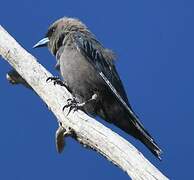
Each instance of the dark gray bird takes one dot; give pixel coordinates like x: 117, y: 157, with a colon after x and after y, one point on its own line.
x: 89, y: 72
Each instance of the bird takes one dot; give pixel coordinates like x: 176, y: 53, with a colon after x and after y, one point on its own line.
x: 88, y: 69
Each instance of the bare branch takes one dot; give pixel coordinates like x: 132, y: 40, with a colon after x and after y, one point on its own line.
x: 80, y: 126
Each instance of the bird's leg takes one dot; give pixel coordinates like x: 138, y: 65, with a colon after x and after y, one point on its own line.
x: 74, y: 105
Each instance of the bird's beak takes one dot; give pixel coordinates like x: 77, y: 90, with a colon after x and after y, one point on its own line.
x: 42, y: 43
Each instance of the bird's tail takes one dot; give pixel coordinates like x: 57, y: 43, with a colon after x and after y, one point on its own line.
x: 131, y: 125
x: 142, y: 134
x: 148, y: 141
x: 127, y: 120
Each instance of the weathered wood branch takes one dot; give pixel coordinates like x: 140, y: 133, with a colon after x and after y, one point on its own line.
x: 80, y: 126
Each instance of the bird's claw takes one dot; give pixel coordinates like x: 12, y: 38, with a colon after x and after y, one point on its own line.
x: 72, y: 104
x: 52, y: 78
x: 56, y: 80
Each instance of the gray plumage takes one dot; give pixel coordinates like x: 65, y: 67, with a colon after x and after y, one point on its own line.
x: 88, y: 69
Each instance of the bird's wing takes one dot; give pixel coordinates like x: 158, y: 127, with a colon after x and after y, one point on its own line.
x: 94, y: 52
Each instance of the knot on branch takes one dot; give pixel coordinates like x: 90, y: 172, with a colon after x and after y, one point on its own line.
x: 60, y: 135
x: 14, y: 78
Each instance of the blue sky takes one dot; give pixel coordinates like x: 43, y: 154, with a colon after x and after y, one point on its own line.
x: 154, y: 45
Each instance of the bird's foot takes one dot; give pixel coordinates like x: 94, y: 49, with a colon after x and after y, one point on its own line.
x: 56, y: 80
x: 74, y: 105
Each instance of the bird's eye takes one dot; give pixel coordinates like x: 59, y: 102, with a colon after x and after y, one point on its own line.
x: 50, y: 32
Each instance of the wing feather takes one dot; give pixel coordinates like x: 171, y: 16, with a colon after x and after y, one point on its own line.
x: 93, y: 50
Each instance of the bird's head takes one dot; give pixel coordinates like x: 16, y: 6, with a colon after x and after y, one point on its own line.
x: 59, y: 31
